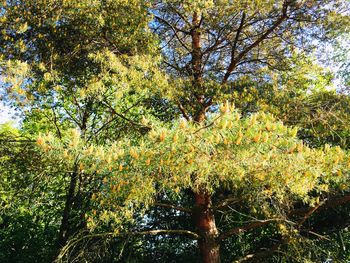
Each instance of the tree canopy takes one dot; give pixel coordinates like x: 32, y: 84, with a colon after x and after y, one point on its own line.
x: 179, y: 131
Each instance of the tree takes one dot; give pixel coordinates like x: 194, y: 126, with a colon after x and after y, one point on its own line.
x: 67, y: 65
x: 205, y: 45
x: 31, y: 201
x: 209, y: 44
x: 341, y: 56
x: 255, y: 161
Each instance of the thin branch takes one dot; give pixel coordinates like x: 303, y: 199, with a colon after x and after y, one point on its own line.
x: 175, y: 30
x: 55, y: 123
x: 183, y: 111
x: 125, y: 118
x: 208, y: 125
x: 235, y: 60
x: 328, y: 204
x: 257, y: 257
x: 242, y: 229
x: 179, y: 208
x: 226, y: 202
x: 167, y: 232
x: 317, y: 235
x: 172, y: 66
x: 219, y: 38
x: 16, y: 141
x: 102, y: 127
x: 180, y: 15
x: 77, y: 240
x: 237, y: 36
x: 309, y: 213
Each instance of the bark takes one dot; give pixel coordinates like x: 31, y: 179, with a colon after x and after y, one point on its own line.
x: 203, y: 213
x: 196, y: 51
x: 197, y: 69
x: 209, y: 246
x: 200, y: 116
x: 64, y: 227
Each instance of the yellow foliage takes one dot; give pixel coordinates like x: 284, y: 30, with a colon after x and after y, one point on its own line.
x: 40, y: 141
x: 134, y: 154
x: 175, y: 138
x: 292, y: 148
x: 265, y: 137
x: 162, y: 136
x: 183, y: 124
x: 257, y: 137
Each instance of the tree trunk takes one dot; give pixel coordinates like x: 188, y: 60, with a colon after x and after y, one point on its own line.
x: 209, y: 246
x: 196, y: 51
x: 64, y: 227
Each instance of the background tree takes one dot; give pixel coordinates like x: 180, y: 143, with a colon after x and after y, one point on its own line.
x: 66, y: 65
x: 88, y: 66
x: 31, y: 199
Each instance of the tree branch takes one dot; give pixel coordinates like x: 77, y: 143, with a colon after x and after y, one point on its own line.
x: 235, y: 60
x: 125, y: 118
x: 306, y: 214
x: 167, y: 232
x: 309, y: 213
x: 226, y: 202
x: 179, y: 208
x: 330, y: 203
x: 175, y: 30
x: 263, y: 254
x: 76, y: 240
x: 237, y: 36
x: 183, y: 111
x: 16, y: 141
x: 253, y: 225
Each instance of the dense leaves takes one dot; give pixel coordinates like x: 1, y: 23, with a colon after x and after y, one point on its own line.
x: 130, y: 148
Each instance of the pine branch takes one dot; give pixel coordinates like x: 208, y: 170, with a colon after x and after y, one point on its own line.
x: 167, y: 232
x: 179, y: 208
x: 236, y: 60
x: 242, y: 229
x: 226, y: 202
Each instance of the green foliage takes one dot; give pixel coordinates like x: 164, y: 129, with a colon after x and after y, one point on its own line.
x: 102, y: 85
x: 341, y: 57
x: 235, y: 42
x: 256, y: 157
x: 30, y: 200
x: 321, y: 115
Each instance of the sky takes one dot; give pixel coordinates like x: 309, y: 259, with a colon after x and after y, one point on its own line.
x: 6, y: 114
